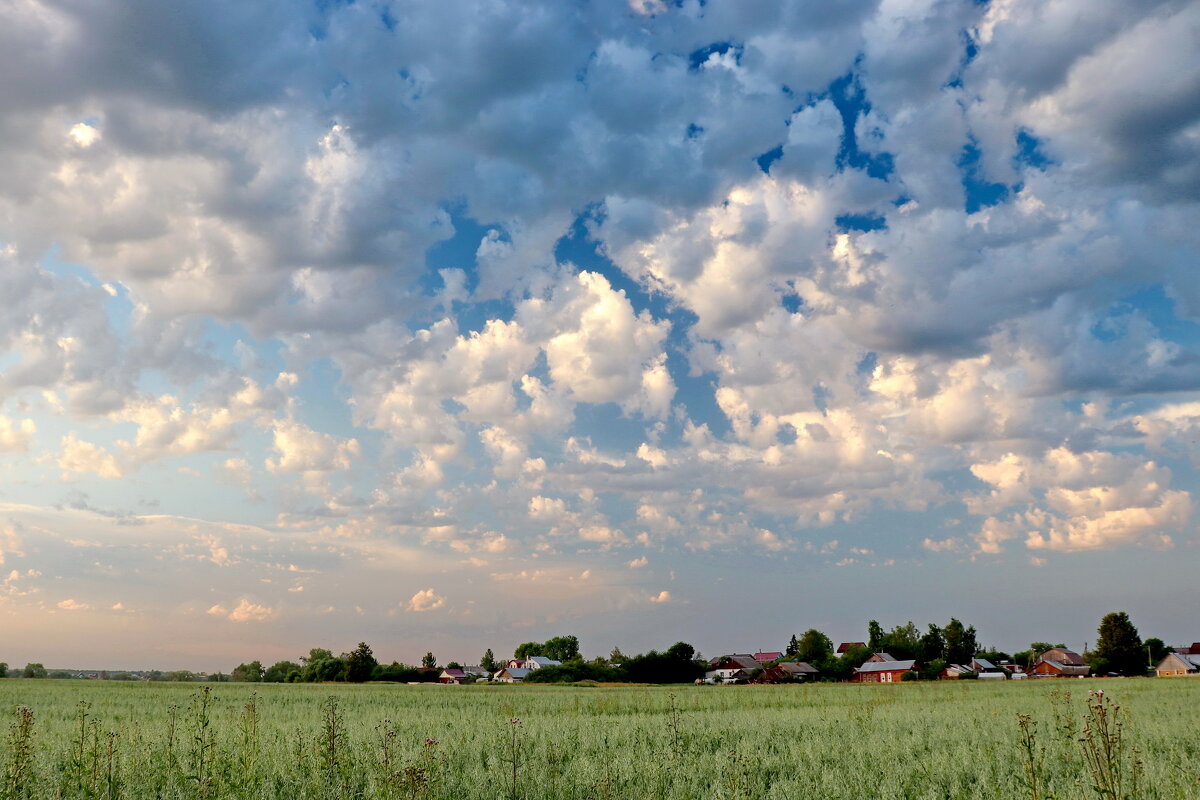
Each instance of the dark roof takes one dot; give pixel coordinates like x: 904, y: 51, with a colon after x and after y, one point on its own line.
x: 844, y: 646
x: 798, y: 667
x: 767, y: 656
x: 742, y: 660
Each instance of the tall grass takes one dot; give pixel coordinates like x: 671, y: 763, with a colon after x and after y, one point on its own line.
x: 89, y: 741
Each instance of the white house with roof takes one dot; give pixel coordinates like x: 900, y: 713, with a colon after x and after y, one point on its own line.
x: 533, y: 662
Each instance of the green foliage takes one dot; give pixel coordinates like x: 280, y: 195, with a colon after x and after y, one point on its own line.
x: 874, y: 635
x: 673, y: 666
x: 3, y: 669
x: 573, y: 672
x: 360, y: 663
x: 933, y: 646
x: 488, y: 661
x: 961, y: 645
x: 793, y: 646
x: 429, y: 661
x: 528, y: 650
x: 282, y: 672
x: 814, y: 647
x: 1157, y: 650
x: 320, y: 665
x: 247, y: 673
x: 33, y: 670
x: 560, y: 648
x: 902, y: 642
x: 1119, y: 648
x: 932, y: 670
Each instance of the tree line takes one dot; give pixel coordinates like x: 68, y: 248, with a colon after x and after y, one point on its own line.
x: 1119, y: 650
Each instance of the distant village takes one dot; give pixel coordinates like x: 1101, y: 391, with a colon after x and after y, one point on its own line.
x: 943, y: 653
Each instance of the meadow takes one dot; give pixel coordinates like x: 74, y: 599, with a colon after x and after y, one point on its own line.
x: 943, y: 741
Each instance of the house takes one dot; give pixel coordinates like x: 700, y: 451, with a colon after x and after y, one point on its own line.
x: 1058, y: 662
x: 882, y: 671
x: 982, y: 665
x: 454, y: 675
x: 955, y: 671
x: 763, y: 658
x: 1178, y: 664
x: 533, y: 662
x: 511, y: 675
x: 731, y: 668
x: 846, y: 646
x: 787, y: 671
x: 1189, y: 650
x: 879, y: 657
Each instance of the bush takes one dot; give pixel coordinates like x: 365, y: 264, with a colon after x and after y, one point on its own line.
x: 573, y: 672
x: 911, y: 675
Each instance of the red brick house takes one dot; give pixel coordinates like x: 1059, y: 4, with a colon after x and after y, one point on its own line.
x: 1058, y: 662
x: 883, y: 671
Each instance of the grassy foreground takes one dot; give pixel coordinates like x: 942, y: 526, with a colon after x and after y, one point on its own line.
x: 947, y: 741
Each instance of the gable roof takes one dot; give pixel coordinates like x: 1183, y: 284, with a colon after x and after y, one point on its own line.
x: 453, y: 672
x: 515, y: 672
x: 738, y: 660
x: 886, y: 666
x: 542, y: 661
x: 1187, y: 660
x: 767, y: 656
x: 844, y: 646
x: 984, y: 664
x: 880, y: 657
x: 798, y: 668
x: 1063, y: 656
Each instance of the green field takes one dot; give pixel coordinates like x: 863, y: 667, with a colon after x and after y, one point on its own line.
x: 943, y: 740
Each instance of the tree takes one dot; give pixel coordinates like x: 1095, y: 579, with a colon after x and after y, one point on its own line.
x: 428, y: 661
x: 282, y: 672
x: 217, y: 677
x: 1119, y: 648
x: 528, y: 650
x: 814, y: 647
x: 793, y: 646
x: 3, y: 669
x: 874, y: 635
x: 561, y: 648
x: 247, y: 673
x: 488, y: 661
x: 960, y: 642
x: 360, y: 663
x: 933, y: 646
x: 322, y: 665
x: 902, y: 642
x: 681, y: 651
x: 1157, y: 650
x: 33, y: 670
x: 616, y: 656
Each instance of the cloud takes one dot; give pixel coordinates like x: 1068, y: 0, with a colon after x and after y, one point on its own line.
x: 662, y: 597
x: 426, y: 600
x: 302, y: 449
x: 80, y: 456
x: 247, y: 611
x: 73, y: 605
x: 16, y: 436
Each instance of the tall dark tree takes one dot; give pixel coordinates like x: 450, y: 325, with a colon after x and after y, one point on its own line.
x: 33, y: 670
x: 428, y: 661
x: 1119, y: 648
x: 793, y: 646
x: 960, y: 642
x: 488, y: 660
x: 933, y: 646
x: 360, y: 663
x: 681, y: 651
x: 3, y: 669
x: 874, y: 635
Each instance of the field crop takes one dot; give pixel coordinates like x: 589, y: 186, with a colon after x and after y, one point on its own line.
x: 949, y: 741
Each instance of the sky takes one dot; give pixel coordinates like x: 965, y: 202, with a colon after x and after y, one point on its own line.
x: 447, y: 326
